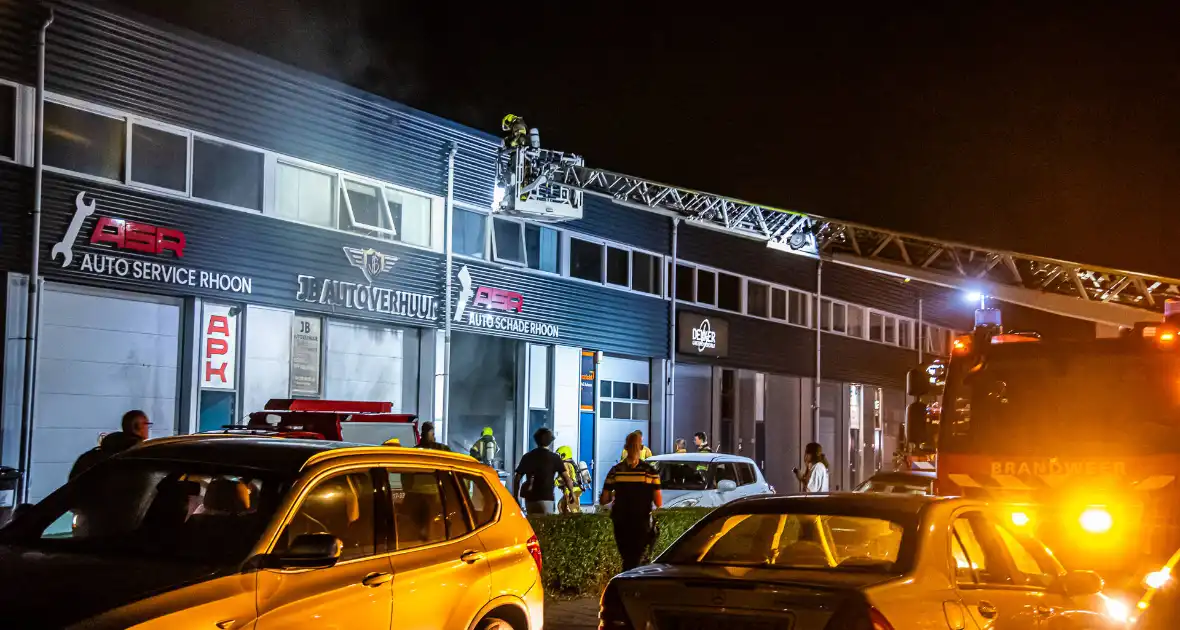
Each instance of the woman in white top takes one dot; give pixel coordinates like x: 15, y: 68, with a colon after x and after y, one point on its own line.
x: 815, y: 478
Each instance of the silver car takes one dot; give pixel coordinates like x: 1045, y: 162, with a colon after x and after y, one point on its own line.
x: 855, y: 561
x: 708, y: 479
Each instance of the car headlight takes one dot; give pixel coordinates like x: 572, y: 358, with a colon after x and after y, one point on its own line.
x: 1157, y: 579
x: 685, y: 502
x: 1096, y: 520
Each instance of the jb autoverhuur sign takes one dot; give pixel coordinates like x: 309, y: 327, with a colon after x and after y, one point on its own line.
x: 702, y: 335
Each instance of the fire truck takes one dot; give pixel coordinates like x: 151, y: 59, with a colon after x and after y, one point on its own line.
x: 363, y: 422
x: 1077, y: 441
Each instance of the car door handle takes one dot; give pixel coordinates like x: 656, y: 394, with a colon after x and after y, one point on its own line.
x: 987, y: 610
x: 471, y: 557
x: 373, y: 580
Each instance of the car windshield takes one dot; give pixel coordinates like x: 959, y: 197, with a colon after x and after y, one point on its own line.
x: 1106, y: 398
x: 199, y: 513
x: 682, y: 475
x: 792, y: 541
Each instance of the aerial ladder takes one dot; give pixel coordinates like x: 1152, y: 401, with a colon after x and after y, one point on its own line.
x: 547, y: 185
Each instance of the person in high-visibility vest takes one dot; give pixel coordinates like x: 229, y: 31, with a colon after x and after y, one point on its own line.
x: 644, y: 451
x: 484, y: 450
x: 571, y: 498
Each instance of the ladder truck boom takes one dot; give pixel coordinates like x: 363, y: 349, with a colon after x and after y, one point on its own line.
x: 548, y: 179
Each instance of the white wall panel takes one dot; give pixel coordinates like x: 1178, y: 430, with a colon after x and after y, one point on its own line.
x: 567, y: 363
x: 366, y: 362
x: 267, y: 364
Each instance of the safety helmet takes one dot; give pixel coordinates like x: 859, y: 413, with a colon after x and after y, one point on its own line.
x: 565, y: 452
x: 487, y: 432
x: 506, y: 124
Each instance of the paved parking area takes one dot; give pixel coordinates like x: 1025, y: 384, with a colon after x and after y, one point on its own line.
x: 577, y: 614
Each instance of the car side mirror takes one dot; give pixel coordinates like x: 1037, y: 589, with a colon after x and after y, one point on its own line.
x: 917, y: 424
x: 308, y: 551
x: 726, y: 485
x: 1081, y: 583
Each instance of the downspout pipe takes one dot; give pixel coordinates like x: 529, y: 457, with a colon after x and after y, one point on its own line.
x: 34, y: 297
x: 450, y: 257
x: 819, y: 334
x: 670, y: 388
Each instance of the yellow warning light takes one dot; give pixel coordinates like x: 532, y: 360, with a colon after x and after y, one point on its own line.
x: 1096, y: 520
x: 962, y: 344
x: 1157, y: 579
x: 1167, y: 337
x: 1020, y: 519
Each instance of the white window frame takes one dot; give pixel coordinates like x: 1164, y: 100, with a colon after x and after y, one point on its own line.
x: 606, y: 266
x: 269, y: 169
x: 560, y: 241
x: 487, y: 230
x: 567, y: 256
x: 342, y: 188
x: 661, y: 264
x: 741, y: 309
x: 746, y: 283
x: 696, y: 286
x: 23, y: 105
x: 568, y: 236
x: 524, y: 254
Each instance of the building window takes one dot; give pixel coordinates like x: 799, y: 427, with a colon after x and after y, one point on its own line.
x: 876, y: 325
x: 227, y: 174
x: 905, y: 333
x: 508, y: 237
x: 856, y: 321
x: 825, y: 314
x: 542, y: 248
x: 706, y: 287
x: 645, y: 273
x: 159, y: 158
x: 363, y: 210
x: 757, y: 295
x: 620, y: 400
x: 468, y: 232
x: 585, y: 260
x: 304, y: 195
x: 685, y: 283
x: 83, y: 142
x: 618, y: 267
x: 8, y: 121
x: 778, y: 304
x: 729, y: 292
x: 890, y: 330
x: 839, y: 317
x: 412, y: 216
x: 797, y: 308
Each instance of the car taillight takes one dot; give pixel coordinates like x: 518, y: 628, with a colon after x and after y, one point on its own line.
x: 534, y: 547
x: 878, y: 620
x: 611, y: 613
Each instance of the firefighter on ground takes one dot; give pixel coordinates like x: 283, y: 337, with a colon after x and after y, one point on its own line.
x: 516, y: 132
x: 484, y: 450
x: 571, y: 497
x: 644, y: 451
x: 680, y: 446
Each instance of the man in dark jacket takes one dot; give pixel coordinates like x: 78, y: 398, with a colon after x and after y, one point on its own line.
x: 136, y: 427
x: 427, y: 440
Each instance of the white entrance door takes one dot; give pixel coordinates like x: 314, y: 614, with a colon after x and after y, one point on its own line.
x: 624, y: 405
x: 100, y: 354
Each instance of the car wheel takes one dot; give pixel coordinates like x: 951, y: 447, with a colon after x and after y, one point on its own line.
x: 491, y: 623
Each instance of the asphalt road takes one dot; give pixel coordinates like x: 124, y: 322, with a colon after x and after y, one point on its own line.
x: 577, y: 614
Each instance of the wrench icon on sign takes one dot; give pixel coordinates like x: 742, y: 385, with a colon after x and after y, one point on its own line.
x: 66, y: 246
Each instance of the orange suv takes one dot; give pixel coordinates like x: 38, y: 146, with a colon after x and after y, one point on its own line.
x: 234, y: 532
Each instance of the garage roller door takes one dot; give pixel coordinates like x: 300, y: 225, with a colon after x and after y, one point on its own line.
x: 366, y: 363
x: 100, y: 354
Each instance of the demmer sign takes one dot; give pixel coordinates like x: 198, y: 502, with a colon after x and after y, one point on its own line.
x: 701, y: 335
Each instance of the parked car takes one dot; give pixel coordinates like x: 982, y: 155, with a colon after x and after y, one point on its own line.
x: 223, y: 531
x: 901, y: 482
x: 708, y: 479
x: 880, y: 561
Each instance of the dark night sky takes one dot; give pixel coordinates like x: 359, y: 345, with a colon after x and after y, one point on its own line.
x: 1052, y: 129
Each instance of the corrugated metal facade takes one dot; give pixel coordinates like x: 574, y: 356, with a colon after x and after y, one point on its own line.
x: 745, y: 256
x: 271, y: 253
x: 757, y: 344
x: 190, y: 81
x: 585, y: 315
x: 643, y: 229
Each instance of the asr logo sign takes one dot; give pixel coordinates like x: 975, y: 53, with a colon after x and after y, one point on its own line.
x: 1089, y: 468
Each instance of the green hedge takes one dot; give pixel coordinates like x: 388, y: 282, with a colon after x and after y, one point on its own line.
x: 579, y: 549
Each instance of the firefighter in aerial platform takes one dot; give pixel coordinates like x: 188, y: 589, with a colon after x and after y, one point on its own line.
x: 517, y: 132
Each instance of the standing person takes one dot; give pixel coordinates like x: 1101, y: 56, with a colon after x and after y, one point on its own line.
x: 484, y: 449
x: 633, y: 486
x: 427, y: 440
x: 702, y: 442
x: 542, y: 467
x: 644, y: 451
x: 815, y: 478
x: 135, y: 428
x: 680, y: 446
